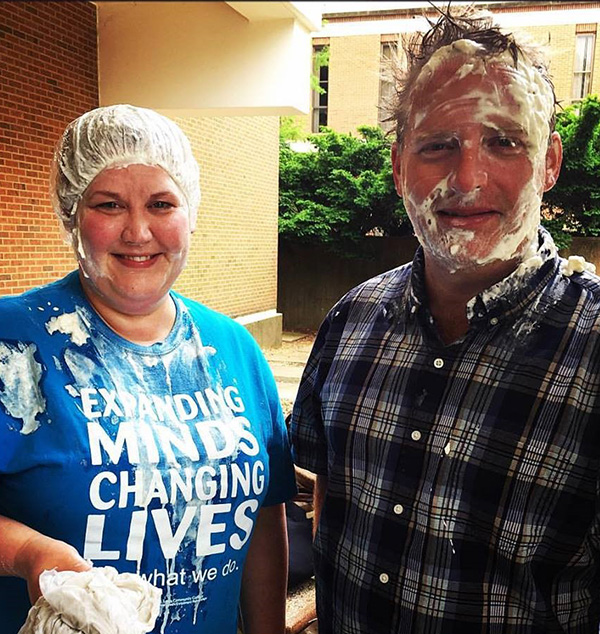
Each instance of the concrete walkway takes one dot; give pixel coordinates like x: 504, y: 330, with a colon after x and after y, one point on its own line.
x: 287, y: 364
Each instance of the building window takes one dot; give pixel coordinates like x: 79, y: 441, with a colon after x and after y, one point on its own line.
x: 584, y: 55
x: 386, y: 85
x: 320, y: 87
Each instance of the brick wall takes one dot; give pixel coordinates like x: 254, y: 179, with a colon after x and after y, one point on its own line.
x: 48, y: 76
x: 232, y: 265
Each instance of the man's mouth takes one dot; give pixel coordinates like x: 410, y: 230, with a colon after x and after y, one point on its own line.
x: 465, y: 213
x: 466, y: 218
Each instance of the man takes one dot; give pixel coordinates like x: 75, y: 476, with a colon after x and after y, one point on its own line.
x: 451, y: 407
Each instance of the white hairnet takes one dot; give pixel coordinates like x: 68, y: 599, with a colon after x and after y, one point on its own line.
x: 120, y: 135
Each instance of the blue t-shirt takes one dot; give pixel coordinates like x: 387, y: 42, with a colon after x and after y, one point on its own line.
x: 152, y: 459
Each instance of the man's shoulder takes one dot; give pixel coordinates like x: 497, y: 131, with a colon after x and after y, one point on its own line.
x: 574, y: 301
x: 587, y: 284
x: 387, y: 286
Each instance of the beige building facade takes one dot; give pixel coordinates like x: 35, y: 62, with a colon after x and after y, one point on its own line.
x: 359, y: 44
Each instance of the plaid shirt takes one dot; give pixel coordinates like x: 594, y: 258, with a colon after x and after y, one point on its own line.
x: 462, y: 479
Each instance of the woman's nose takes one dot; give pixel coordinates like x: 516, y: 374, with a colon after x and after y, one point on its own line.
x: 470, y: 172
x: 137, y: 228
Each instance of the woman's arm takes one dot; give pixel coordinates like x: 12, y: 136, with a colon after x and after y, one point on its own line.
x: 26, y: 553
x: 264, y: 581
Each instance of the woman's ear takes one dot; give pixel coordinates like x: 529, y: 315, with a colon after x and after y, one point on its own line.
x: 553, y: 161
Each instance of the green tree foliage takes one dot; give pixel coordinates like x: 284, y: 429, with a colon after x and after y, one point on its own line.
x: 340, y: 192
x: 291, y: 129
x: 321, y: 58
x: 344, y: 189
x: 572, y: 207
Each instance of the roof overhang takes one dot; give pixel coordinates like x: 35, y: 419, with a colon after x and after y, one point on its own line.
x: 207, y: 58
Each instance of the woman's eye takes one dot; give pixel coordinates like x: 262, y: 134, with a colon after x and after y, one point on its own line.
x: 107, y: 204
x: 161, y: 204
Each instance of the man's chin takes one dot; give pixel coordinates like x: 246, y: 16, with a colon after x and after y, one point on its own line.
x: 463, y: 260
x: 475, y: 263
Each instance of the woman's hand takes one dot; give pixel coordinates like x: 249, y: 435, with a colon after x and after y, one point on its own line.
x: 38, y: 553
x: 26, y: 553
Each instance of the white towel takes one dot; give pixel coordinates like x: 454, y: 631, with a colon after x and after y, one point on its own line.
x: 97, y: 601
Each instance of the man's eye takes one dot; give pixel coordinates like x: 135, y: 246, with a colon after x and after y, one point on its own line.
x: 437, y: 147
x: 507, y: 145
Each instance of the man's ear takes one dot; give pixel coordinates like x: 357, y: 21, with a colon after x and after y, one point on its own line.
x: 396, y: 167
x: 553, y: 161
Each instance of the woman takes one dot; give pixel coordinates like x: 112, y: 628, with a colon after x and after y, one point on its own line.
x: 138, y: 429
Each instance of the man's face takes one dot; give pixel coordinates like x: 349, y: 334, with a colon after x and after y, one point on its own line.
x: 475, y: 162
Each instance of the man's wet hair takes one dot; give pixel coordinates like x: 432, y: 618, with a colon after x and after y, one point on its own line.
x: 458, y: 23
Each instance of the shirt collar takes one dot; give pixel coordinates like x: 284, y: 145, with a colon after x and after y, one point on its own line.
x: 508, y: 296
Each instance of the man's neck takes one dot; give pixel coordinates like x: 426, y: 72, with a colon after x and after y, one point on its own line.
x: 449, y: 293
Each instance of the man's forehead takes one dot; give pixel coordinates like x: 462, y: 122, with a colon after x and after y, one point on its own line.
x: 484, y: 98
x: 489, y: 84
x: 468, y: 74
x: 461, y: 89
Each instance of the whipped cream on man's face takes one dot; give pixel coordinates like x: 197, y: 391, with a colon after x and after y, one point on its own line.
x: 472, y: 166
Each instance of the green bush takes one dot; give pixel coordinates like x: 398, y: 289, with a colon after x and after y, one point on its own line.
x: 340, y: 192
x: 572, y: 207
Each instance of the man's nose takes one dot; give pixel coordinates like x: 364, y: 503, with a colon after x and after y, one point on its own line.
x: 470, y: 172
x: 137, y: 229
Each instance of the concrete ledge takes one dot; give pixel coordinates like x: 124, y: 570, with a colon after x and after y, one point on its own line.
x: 266, y: 327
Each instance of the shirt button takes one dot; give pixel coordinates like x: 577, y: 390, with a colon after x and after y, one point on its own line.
x: 413, y: 309
x: 398, y: 509
x: 416, y: 435
x: 438, y: 363
x: 494, y: 321
x: 447, y: 449
x: 384, y: 578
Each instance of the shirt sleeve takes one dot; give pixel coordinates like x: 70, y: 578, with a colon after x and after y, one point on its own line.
x: 282, y: 477
x: 282, y: 480
x: 309, y: 443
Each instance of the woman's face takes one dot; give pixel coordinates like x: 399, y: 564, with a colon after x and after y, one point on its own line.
x: 132, y: 238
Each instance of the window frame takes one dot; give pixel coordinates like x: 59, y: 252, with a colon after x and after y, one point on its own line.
x: 583, y: 63
x: 319, y: 115
x: 388, y: 49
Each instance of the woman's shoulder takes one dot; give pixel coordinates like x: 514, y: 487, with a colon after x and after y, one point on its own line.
x: 35, y: 307
x: 211, y: 321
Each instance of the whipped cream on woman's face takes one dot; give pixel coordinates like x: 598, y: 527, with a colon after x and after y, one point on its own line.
x: 476, y: 158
